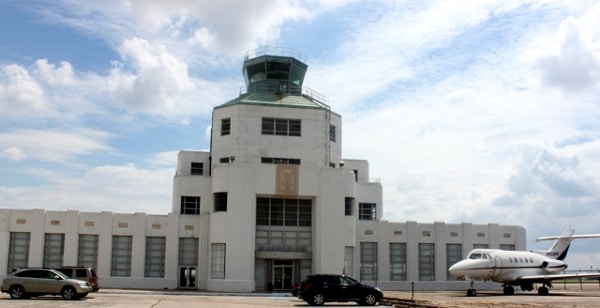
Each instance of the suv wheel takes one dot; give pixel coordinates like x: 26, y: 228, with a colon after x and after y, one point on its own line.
x: 16, y: 292
x: 369, y: 300
x: 317, y: 299
x: 68, y: 293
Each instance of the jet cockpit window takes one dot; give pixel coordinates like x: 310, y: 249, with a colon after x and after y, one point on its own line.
x: 475, y: 256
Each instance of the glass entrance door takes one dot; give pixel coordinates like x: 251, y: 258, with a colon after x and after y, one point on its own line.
x: 187, y: 277
x: 283, y: 274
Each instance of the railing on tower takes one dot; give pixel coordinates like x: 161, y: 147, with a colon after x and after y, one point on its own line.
x: 275, y: 51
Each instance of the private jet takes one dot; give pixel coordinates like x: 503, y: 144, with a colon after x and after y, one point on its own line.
x: 521, y: 268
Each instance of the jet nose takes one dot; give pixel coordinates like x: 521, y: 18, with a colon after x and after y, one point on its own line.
x: 456, y: 270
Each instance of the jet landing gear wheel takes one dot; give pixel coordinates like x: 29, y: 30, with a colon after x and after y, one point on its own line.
x: 471, y: 291
x: 543, y: 290
x: 509, y: 290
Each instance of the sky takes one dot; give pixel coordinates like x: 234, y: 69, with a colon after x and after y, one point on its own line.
x: 467, y: 111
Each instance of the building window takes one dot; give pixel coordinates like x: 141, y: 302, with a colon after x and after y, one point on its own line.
x: 281, y: 127
x: 190, y: 205
x: 188, y: 251
x: 224, y: 160
x: 225, y: 126
x: 283, y: 212
x: 88, y: 250
x: 349, y: 261
x: 507, y: 246
x: 54, y: 244
x: 121, y: 256
x: 220, y: 202
x: 453, y: 255
x: 426, y: 262
x: 155, y: 257
x: 217, y: 267
x: 332, y: 133
x: 349, y: 206
x: 276, y: 160
x: 367, y: 211
x: 368, y: 261
x: 197, y: 169
x: 398, y: 261
x: 18, y: 250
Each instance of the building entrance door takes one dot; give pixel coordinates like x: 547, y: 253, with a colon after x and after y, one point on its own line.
x: 283, y: 274
x: 187, y: 277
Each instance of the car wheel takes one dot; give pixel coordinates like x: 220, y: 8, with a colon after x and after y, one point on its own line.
x: 317, y: 299
x: 369, y: 300
x: 69, y: 293
x: 16, y: 292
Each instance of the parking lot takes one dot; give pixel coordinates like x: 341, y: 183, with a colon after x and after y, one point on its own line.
x: 158, y: 299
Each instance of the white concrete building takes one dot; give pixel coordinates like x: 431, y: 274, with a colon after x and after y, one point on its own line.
x: 271, y: 202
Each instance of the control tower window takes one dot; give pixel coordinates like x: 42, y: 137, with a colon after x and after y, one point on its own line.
x: 282, y: 127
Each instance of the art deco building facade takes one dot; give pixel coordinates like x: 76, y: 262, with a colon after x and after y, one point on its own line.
x: 272, y: 201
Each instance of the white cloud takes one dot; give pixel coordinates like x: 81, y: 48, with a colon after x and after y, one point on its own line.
x: 116, y: 188
x: 60, y: 76
x: 19, y: 92
x: 56, y: 146
x: 572, y: 61
x: 13, y: 153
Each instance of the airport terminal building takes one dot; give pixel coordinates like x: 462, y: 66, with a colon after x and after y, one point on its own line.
x: 272, y: 201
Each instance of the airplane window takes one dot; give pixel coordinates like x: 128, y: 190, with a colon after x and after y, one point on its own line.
x: 475, y: 256
x: 510, y: 259
x: 531, y: 260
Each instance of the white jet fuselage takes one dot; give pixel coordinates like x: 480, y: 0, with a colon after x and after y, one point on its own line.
x: 504, y: 266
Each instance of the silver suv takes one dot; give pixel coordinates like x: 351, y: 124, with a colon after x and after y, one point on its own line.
x: 24, y: 283
x: 82, y: 273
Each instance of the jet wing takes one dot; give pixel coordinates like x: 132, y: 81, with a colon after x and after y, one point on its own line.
x: 559, y: 276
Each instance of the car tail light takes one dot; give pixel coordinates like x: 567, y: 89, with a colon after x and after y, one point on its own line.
x: 91, y: 281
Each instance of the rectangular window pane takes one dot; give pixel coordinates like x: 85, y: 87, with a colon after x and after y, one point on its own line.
x: 88, y: 250
x: 453, y: 255
x: 367, y: 211
x: 332, y: 133
x: 295, y: 127
x: 54, y: 244
x: 188, y: 251
x: 197, y: 168
x: 268, y: 126
x: 349, y: 261
x: 225, y: 126
x: 398, y: 261
x: 281, y: 127
x: 276, y: 212
x: 349, y: 206
x: 220, y: 202
x: 190, y: 205
x: 121, y: 256
x: 291, y: 212
x: 155, y: 257
x: 217, y: 270
x: 426, y: 262
x: 18, y: 250
x: 368, y: 261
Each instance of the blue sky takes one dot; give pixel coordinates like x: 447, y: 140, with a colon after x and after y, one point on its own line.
x: 468, y: 111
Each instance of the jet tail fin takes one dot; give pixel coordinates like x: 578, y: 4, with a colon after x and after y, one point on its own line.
x: 562, y: 243
x: 560, y: 247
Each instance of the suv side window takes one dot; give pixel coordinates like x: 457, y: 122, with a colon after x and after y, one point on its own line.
x: 346, y: 282
x: 332, y: 280
x: 67, y: 271
x: 81, y: 273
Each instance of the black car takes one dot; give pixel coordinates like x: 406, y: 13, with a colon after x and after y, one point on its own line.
x: 318, y: 289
